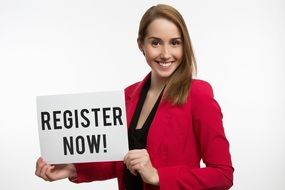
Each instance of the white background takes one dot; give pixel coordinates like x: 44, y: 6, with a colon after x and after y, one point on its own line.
x: 57, y: 46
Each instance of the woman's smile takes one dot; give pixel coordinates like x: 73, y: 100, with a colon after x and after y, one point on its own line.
x: 165, y: 64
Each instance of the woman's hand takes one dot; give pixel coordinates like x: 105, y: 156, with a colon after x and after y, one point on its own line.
x: 54, y: 172
x: 138, y: 161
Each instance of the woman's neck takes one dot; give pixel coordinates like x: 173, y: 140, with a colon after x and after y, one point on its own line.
x: 157, y: 83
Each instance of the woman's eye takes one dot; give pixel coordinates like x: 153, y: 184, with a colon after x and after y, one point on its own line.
x: 155, y: 43
x: 176, y: 42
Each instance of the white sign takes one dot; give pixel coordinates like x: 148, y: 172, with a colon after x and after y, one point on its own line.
x: 89, y: 127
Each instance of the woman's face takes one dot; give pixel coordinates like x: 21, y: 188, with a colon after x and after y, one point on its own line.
x: 162, y: 47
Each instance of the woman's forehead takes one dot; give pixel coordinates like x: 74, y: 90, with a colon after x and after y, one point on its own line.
x: 163, y: 27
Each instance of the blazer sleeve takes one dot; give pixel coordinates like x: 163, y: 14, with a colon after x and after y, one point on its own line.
x: 87, y: 172
x: 213, y: 147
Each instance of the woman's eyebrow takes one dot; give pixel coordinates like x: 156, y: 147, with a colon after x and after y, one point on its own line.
x: 152, y: 37
x: 156, y: 38
x: 177, y: 38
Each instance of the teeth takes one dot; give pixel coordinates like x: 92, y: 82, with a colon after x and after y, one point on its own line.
x: 165, y: 64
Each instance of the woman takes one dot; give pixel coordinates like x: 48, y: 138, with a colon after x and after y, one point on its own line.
x: 173, y: 120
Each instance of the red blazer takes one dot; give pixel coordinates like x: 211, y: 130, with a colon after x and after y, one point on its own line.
x: 179, y: 137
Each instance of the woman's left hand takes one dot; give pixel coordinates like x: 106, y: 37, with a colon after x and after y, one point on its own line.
x: 138, y: 161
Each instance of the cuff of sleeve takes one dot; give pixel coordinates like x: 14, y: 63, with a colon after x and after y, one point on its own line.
x: 77, y: 178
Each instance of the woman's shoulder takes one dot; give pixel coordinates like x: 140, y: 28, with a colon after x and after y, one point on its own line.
x: 201, y: 96
x: 129, y: 90
x: 200, y: 87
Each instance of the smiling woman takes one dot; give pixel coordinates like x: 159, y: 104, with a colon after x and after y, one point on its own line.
x: 169, y: 23
x: 174, y: 121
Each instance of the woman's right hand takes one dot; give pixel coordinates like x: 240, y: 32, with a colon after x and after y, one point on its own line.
x: 54, y: 172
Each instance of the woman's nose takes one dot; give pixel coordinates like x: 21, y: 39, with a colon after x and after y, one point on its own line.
x: 165, y: 53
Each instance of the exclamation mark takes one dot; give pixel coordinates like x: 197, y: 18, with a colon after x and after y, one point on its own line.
x: 104, y: 143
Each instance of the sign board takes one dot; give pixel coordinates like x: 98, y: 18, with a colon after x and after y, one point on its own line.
x: 87, y: 127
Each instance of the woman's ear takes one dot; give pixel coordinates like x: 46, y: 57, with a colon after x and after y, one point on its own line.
x: 140, y: 45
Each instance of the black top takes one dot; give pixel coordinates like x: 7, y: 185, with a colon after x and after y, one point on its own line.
x: 137, y: 137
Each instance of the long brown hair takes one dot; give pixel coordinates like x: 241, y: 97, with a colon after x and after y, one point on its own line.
x: 178, y: 85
